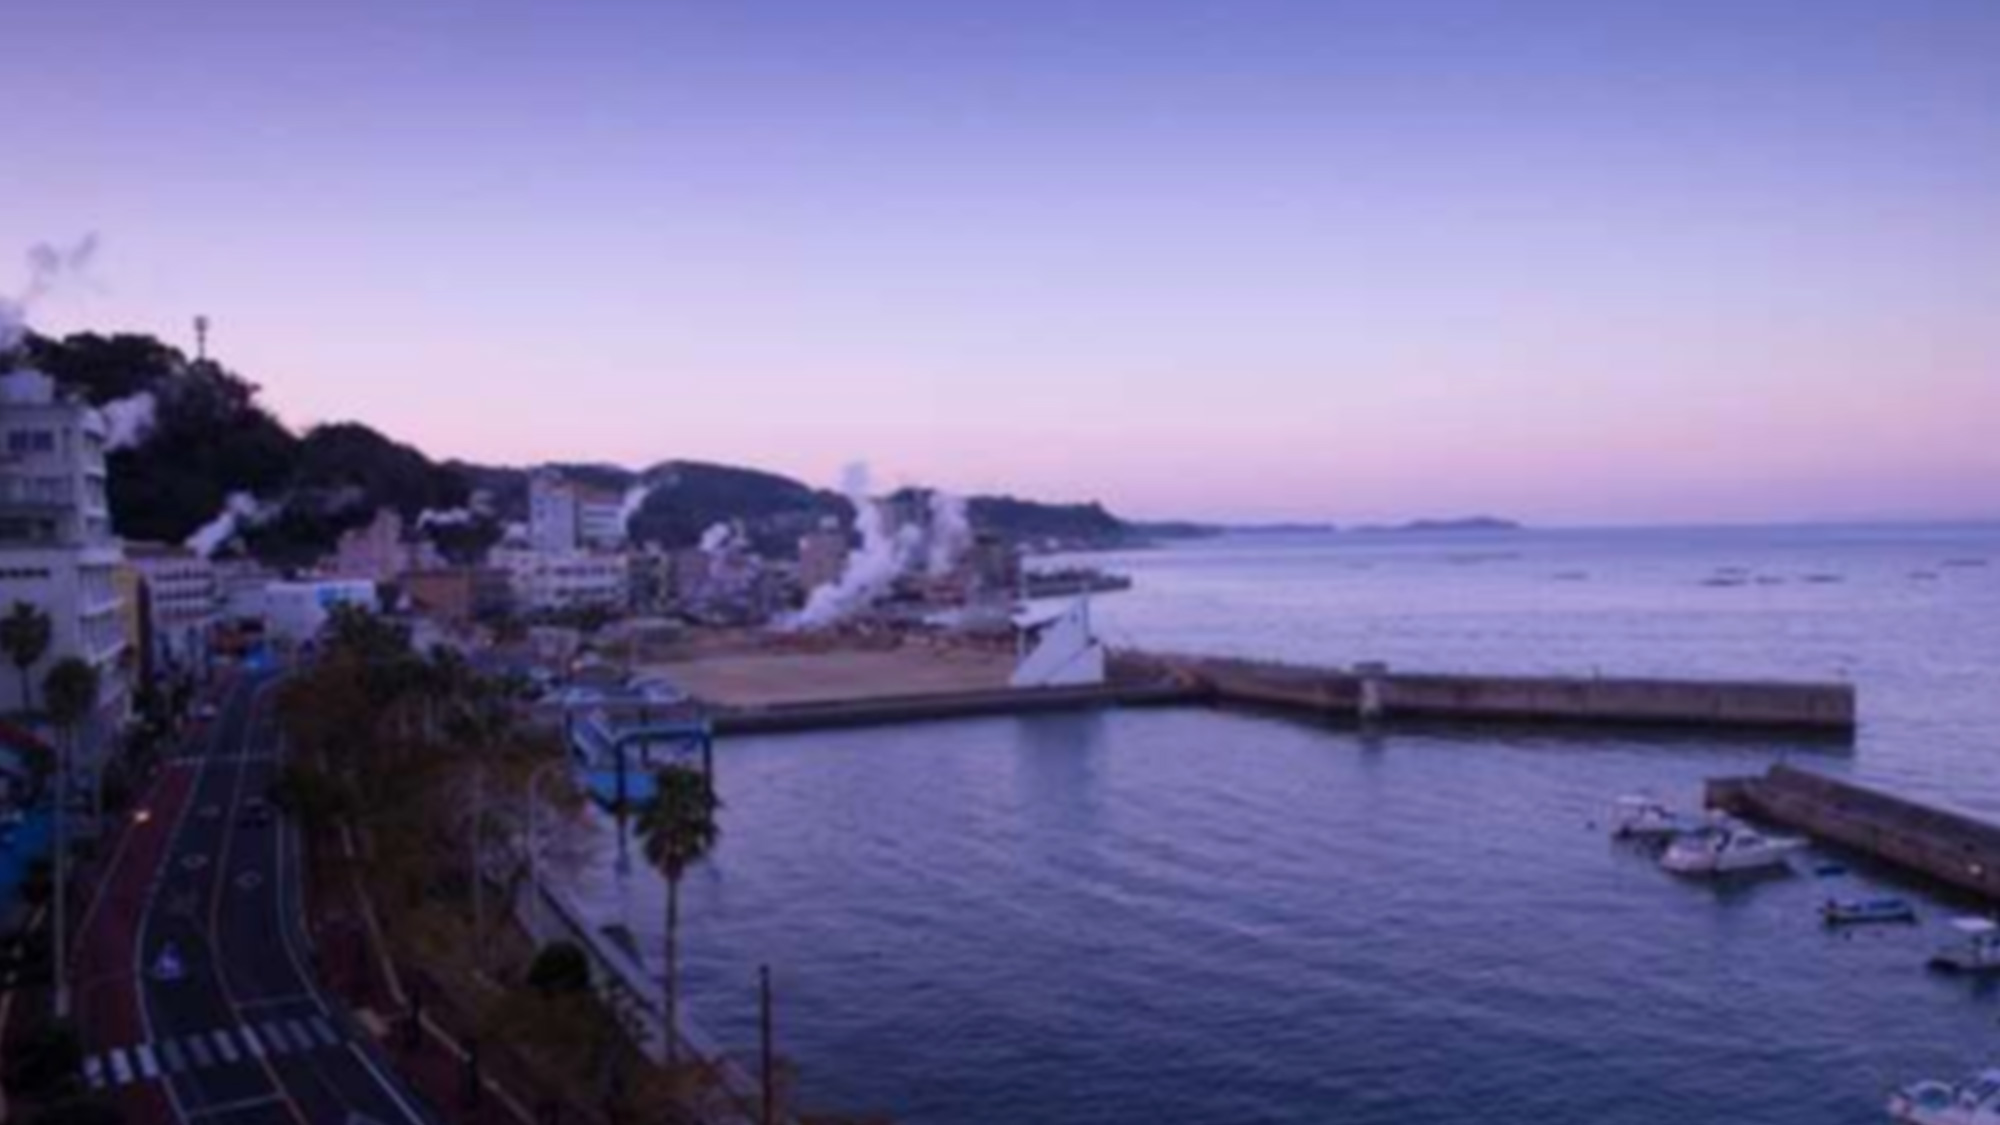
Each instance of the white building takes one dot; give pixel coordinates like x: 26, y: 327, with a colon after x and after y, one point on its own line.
x: 184, y: 601
x: 57, y: 552
x: 295, y: 612
x: 565, y: 580
x: 566, y: 515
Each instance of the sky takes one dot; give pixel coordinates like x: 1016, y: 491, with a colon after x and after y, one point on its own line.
x: 1576, y: 263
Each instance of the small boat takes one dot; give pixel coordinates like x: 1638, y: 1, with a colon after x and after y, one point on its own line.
x: 1976, y: 950
x: 1865, y: 911
x: 1976, y: 1101
x: 1643, y: 818
x: 1726, y: 849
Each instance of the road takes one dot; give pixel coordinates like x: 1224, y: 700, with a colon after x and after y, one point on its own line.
x: 233, y: 1027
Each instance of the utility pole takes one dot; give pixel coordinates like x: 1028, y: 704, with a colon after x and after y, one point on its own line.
x: 479, y: 867
x: 60, y: 966
x: 764, y: 1033
x: 201, y: 339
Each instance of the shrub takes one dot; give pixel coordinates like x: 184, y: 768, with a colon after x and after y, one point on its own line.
x: 560, y: 967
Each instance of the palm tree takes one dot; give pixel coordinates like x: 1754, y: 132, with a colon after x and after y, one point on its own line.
x: 25, y: 633
x: 71, y: 690
x: 679, y: 828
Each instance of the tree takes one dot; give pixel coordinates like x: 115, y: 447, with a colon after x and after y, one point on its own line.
x: 561, y: 967
x: 44, y: 1062
x: 679, y: 828
x: 25, y: 634
x: 71, y: 693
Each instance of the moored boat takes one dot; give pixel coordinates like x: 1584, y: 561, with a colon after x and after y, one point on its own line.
x: 1975, y: 1101
x: 1725, y: 849
x: 1640, y: 817
x: 1975, y: 950
x: 1865, y: 911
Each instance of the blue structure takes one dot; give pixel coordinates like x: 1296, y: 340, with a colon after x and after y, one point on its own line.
x: 615, y: 761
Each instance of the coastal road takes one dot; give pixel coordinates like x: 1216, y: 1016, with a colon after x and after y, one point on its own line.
x: 234, y: 1028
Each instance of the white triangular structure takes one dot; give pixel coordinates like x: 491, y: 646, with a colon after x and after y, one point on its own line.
x: 1062, y: 651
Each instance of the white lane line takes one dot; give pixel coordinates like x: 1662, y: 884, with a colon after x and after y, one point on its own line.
x: 202, y: 1058
x: 170, y: 1053
x: 327, y: 1036
x: 236, y: 1107
x: 121, y: 1069
x: 224, y: 1045
x: 93, y: 1072
x: 250, y: 1040
x: 149, y: 1066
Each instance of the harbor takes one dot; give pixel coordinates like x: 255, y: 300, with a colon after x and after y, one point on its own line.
x: 1928, y: 840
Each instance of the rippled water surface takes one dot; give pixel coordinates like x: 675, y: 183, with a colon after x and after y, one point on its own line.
x: 1209, y: 917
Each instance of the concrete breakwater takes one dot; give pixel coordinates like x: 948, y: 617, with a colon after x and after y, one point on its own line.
x: 1944, y: 845
x: 1374, y: 692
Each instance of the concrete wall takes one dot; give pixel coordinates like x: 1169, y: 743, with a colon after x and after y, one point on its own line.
x: 1942, y: 844
x: 1341, y: 693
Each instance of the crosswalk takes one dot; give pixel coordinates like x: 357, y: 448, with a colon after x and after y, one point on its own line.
x: 223, y: 1046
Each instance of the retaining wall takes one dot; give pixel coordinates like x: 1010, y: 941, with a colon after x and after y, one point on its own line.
x: 1945, y: 845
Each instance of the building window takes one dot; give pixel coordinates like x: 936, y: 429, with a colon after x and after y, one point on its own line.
x: 23, y: 442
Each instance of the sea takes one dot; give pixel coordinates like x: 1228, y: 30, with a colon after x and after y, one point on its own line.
x: 1208, y: 917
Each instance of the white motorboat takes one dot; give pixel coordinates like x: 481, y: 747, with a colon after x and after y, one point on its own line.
x: 1975, y: 1101
x: 1975, y: 950
x: 1724, y: 849
x: 1644, y: 818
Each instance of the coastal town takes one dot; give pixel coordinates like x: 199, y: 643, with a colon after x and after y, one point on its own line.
x: 1317, y: 561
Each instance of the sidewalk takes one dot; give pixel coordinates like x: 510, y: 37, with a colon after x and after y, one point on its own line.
x: 104, y: 963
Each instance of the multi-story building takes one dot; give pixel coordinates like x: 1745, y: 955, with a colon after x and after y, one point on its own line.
x: 460, y: 595
x: 822, y: 558
x: 57, y: 551
x: 552, y: 520
x: 375, y: 552
x: 182, y: 599
x: 566, y: 515
x: 553, y: 581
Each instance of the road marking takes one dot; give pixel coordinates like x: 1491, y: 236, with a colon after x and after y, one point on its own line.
x: 276, y: 1001
x: 250, y: 1040
x: 298, y: 1032
x: 279, y: 1044
x: 224, y: 1045
x: 93, y: 1072
x: 149, y: 1067
x: 121, y: 1070
x: 170, y: 1052
x: 235, y: 1107
x: 199, y: 1049
x: 327, y: 1036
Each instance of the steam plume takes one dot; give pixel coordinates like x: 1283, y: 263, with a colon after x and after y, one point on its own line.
x: 129, y: 421
x: 871, y: 568
x: 951, y: 533
x: 242, y: 510
x: 47, y: 265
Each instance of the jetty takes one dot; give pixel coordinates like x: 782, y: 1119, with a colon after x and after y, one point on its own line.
x: 1372, y: 692
x: 1951, y: 847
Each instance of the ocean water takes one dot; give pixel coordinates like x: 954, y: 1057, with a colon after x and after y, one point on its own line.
x: 1211, y: 917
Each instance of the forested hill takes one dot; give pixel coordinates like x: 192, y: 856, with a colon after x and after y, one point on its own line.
x: 212, y: 438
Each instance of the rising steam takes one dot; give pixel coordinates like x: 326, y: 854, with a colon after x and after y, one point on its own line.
x: 240, y: 512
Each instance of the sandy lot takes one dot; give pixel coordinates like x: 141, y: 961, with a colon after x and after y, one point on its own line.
x: 764, y: 679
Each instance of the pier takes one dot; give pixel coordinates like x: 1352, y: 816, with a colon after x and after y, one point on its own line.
x: 793, y: 692
x: 1953, y: 848
x: 1374, y: 693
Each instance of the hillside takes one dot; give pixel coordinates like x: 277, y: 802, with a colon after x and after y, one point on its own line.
x: 212, y: 438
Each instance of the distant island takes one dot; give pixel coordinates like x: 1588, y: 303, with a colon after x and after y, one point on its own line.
x: 1463, y: 524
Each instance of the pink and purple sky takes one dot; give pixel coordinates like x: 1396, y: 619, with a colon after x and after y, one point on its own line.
x: 1591, y: 262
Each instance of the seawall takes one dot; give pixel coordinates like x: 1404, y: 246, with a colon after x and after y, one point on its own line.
x: 1374, y: 692
x: 1951, y: 847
